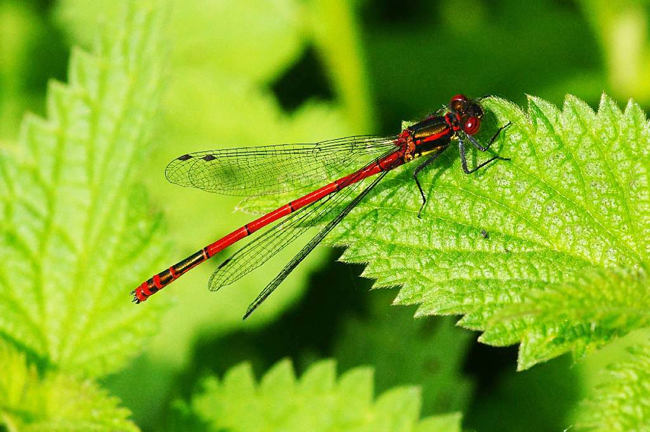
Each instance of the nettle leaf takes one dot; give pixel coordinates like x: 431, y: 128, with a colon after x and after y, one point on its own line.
x: 581, y: 315
x: 623, y: 402
x: 315, y: 402
x: 77, y: 235
x: 55, y: 401
x: 572, y: 201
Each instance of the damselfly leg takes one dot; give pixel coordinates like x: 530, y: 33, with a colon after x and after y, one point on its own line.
x: 463, y: 159
x: 478, y: 145
x: 417, y: 182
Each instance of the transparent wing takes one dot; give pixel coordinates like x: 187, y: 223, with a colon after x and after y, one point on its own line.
x: 306, y: 250
x: 274, y: 169
x: 276, y: 238
x: 272, y: 241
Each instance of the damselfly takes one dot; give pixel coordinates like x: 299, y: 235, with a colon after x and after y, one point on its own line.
x: 282, y: 168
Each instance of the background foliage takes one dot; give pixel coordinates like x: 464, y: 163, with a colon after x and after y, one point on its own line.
x: 86, y: 215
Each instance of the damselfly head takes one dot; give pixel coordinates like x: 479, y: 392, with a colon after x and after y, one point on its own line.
x: 465, y: 107
x: 458, y: 103
x: 469, y: 113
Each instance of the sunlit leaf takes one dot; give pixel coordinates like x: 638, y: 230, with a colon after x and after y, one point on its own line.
x: 573, y: 200
x: 77, y: 235
x: 54, y: 402
x: 581, y: 315
x: 623, y: 402
x: 318, y: 401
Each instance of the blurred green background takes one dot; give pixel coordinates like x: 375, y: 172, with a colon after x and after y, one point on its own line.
x: 256, y: 72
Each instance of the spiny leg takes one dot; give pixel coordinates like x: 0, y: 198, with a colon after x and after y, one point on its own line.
x: 417, y: 182
x: 476, y: 144
x: 463, y: 159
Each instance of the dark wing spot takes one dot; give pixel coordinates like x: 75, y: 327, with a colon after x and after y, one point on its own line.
x: 185, y: 157
x: 208, y: 158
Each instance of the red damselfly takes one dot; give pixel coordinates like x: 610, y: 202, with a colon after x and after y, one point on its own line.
x: 281, y: 168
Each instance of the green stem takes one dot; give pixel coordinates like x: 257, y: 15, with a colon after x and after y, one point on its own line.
x: 336, y: 36
x: 622, y: 33
x: 18, y: 32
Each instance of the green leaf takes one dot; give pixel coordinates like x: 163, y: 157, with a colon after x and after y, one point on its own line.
x: 572, y: 200
x: 77, y: 234
x: 316, y: 402
x: 19, y: 34
x: 54, y: 402
x: 623, y: 402
x: 428, y: 352
x: 582, y: 315
x: 446, y: 422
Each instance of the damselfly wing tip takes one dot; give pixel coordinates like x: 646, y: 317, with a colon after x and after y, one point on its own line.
x: 249, y: 311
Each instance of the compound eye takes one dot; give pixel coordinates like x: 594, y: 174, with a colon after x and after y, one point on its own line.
x: 459, y: 98
x: 458, y: 102
x: 472, y: 125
